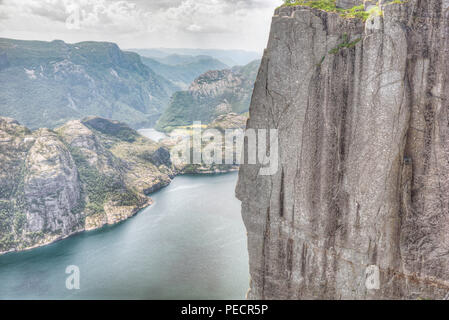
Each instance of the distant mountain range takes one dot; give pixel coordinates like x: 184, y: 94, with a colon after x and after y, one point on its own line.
x: 182, y: 70
x: 48, y: 83
x: 229, y: 57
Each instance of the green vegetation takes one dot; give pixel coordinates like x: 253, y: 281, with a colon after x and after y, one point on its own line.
x: 7, y: 241
x: 12, y: 206
x: 345, y: 44
x: 126, y: 198
x: 114, y: 129
x: 326, y: 5
x: 6, y: 217
x: 96, y: 186
x: 99, y: 188
x: 183, y: 110
x: 330, y: 6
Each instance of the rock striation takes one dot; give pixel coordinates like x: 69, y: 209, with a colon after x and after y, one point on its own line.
x: 361, y: 110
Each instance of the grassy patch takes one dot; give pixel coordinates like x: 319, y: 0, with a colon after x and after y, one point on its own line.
x: 96, y: 185
x: 127, y: 198
x: 357, y: 12
x: 346, y: 44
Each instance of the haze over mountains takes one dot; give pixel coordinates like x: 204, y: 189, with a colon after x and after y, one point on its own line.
x: 45, y: 84
x: 48, y: 83
x: 182, y: 70
x: 229, y: 57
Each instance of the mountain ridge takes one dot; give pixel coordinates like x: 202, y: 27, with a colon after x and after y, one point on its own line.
x: 228, y: 57
x: 44, y: 84
x: 185, y: 70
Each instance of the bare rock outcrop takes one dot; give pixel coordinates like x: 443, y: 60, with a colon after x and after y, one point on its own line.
x: 51, y: 186
x: 361, y: 110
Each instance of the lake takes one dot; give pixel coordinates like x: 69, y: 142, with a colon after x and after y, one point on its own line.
x: 190, y: 244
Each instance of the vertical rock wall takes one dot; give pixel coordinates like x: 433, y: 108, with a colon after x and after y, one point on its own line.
x: 362, y: 114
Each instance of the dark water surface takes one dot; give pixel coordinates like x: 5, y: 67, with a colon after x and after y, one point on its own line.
x: 190, y: 244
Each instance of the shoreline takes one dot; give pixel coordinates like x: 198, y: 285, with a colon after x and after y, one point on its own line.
x: 135, y: 211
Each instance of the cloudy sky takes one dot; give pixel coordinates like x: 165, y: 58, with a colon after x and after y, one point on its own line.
x: 221, y: 24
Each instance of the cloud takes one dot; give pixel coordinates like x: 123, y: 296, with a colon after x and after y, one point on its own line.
x: 3, y: 15
x: 139, y: 23
x: 194, y: 28
x: 53, y: 10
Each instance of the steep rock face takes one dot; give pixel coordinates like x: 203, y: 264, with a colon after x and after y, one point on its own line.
x: 51, y: 186
x: 361, y: 110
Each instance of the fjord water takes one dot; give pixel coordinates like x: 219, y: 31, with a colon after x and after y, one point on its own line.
x: 190, y: 244
x: 152, y: 134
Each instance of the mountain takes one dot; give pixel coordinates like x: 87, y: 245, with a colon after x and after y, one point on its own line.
x: 48, y: 83
x: 80, y: 176
x: 177, y: 59
x: 182, y: 70
x: 211, y: 94
x: 229, y: 57
x: 359, y: 206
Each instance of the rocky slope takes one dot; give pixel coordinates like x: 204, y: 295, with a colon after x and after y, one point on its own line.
x: 45, y: 84
x: 361, y: 109
x: 213, y: 93
x: 78, y: 177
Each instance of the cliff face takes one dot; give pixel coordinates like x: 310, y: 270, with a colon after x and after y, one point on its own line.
x: 81, y: 176
x: 362, y: 114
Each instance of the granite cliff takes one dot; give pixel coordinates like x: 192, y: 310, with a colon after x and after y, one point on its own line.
x: 361, y: 108
x: 81, y: 176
